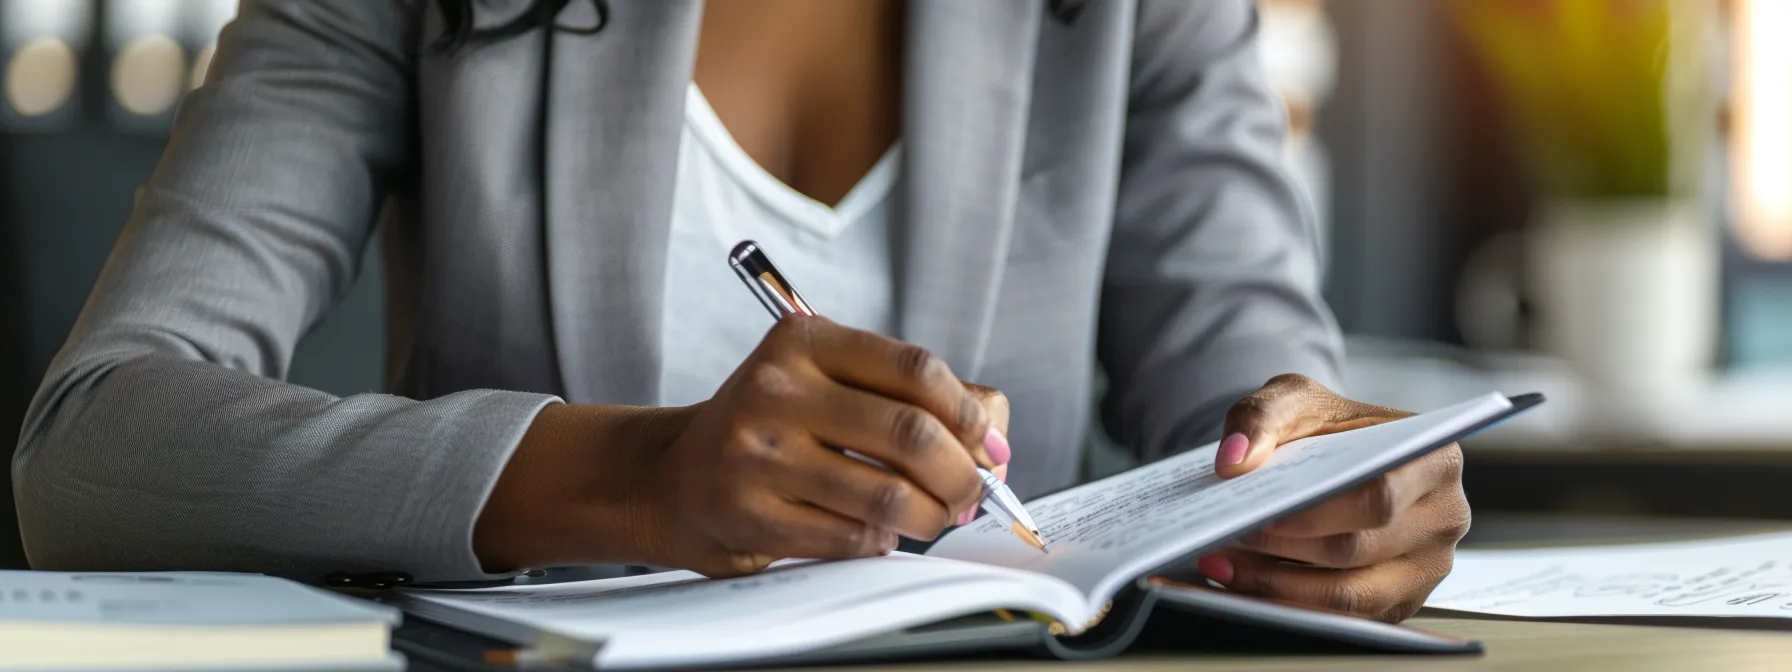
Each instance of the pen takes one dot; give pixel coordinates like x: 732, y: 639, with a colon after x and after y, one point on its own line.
x: 781, y: 299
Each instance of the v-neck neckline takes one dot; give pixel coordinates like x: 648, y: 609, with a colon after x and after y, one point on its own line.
x: 871, y: 189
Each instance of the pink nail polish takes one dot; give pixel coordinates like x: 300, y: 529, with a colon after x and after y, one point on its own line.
x: 1233, y: 449
x: 997, y: 446
x: 1216, y: 567
x: 966, y: 517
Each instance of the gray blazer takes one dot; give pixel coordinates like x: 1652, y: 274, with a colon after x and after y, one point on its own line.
x: 1104, y: 191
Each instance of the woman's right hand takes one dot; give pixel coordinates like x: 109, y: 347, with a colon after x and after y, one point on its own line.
x: 758, y: 474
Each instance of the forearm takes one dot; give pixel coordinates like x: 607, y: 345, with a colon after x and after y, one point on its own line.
x: 159, y: 462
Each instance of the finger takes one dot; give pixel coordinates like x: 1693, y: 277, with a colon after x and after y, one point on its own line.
x: 995, y: 442
x: 854, y: 489
x: 902, y: 437
x: 902, y: 371
x: 1001, y: 472
x: 1379, y: 502
x: 1383, y: 591
x: 1347, y: 550
x: 1286, y: 408
x: 733, y: 564
x: 786, y: 529
x: 994, y: 403
x: 1259, y: 422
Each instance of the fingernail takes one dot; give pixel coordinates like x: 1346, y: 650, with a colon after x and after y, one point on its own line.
x: 1216, y: 567
x: 1233, y: 449
x: 997, y: 446
x: 1001, y: 472
x: 966, y: 517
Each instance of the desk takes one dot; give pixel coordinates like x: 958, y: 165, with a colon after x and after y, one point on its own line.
x: 1511, y: 645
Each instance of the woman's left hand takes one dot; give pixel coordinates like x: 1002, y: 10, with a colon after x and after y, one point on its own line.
x: 1376, y: 551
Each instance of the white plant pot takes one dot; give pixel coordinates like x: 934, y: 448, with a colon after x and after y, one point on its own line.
x: 1627, y: 291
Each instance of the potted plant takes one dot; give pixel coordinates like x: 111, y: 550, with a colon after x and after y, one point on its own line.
x: 1612, y: 102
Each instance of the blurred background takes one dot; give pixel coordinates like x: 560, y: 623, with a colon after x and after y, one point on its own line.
x: 1586, y: 198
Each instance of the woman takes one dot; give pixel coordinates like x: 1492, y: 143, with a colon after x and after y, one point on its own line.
x: 1009, y: 193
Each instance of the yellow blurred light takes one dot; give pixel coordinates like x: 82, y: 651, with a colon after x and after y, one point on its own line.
x: 149, y: 74
x: 40, y: 76
x: 1763, y: 127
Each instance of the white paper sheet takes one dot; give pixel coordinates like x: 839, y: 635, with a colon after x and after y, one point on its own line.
x: 1738, y: 576
x: 1103, y: 534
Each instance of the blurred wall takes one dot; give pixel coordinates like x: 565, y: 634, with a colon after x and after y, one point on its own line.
x: 1422, y: 171
x: 1380, y: 125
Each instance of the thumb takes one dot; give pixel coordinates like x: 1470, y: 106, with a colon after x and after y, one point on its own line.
x: 994, y: 403
x: 1253, y: 429
x: 735, y: 564
x: 1286, y: 408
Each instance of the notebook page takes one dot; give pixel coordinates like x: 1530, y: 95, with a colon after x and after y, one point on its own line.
x: 1102, y: 535
x: 681, y: 618
x: 1737, y: 576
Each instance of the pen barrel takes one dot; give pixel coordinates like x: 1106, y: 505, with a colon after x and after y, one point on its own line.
x: 999, y: 501
x: 991, y: 481
x: 995, y: 509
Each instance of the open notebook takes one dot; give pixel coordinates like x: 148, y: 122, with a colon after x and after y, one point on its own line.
x: 1087, y: 595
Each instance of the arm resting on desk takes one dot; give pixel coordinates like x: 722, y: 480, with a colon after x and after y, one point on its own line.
x: 162, y: 436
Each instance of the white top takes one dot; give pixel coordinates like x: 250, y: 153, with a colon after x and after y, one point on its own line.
x: 839, y: 258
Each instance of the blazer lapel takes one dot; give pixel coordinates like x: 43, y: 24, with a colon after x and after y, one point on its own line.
x: 968, y: 82
x: 615, y: 107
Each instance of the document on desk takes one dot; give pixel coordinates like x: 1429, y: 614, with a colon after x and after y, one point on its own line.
x: 1749, y: 576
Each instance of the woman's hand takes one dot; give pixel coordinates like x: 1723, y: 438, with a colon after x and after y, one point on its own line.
x: 758, y: 473
x: 755, y: 473
x: 1376, y: 551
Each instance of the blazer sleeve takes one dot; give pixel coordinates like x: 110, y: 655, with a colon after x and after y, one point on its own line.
x: 163, y: 436
x: 1211, y: 285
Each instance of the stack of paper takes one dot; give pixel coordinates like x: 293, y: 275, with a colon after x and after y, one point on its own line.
x: 1747, y: 576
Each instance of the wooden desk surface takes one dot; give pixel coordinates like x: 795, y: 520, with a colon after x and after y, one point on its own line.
x: 1511, y: 645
